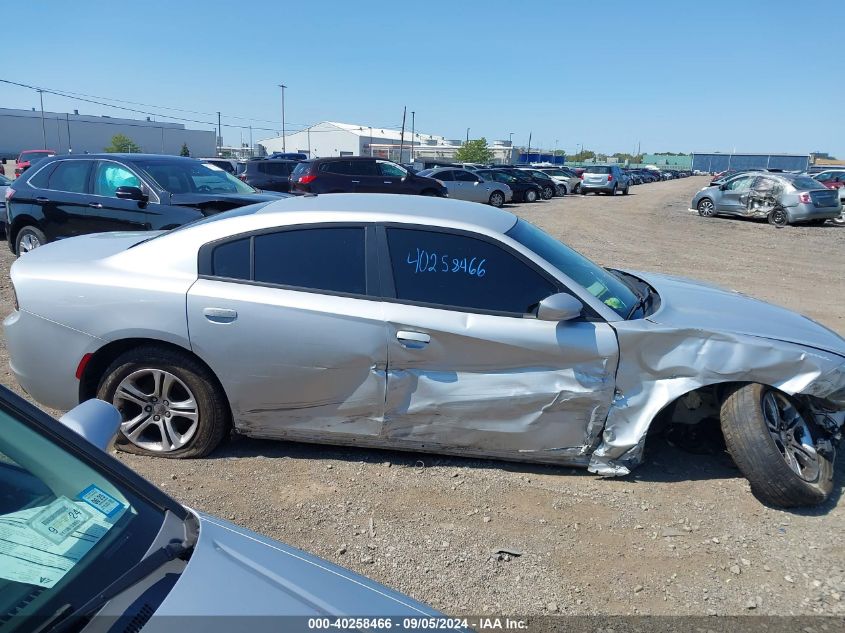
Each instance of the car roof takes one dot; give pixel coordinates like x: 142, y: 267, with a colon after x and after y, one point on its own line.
x: 130, y: 157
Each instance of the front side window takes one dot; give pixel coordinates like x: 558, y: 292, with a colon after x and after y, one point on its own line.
x: 390, y: 170
x: 187, y: 176
x: 330, y: 259
x: 109, y: 176
x: 459, y: 271
x: 70, y: 176
x: 739, y: 184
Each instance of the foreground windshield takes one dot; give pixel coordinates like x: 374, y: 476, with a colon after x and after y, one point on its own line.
x: 187, y: 176
x: 67, y: 530
x: 596, y: 280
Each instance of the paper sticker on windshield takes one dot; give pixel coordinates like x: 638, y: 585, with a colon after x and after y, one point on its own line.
x: 100, y: 500
x: 59, y: 520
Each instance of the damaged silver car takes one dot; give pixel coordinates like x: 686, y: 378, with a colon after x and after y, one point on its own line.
x: 418, y: 324
x: 781, y: 199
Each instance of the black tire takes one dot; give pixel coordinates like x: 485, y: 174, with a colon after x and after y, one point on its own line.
x: 497, y: 199
x: 213, y: 415
x: 562, y: 190
x: 576, y: 188
x: 547, y: 192
x: 625, y: 190
x: 763, y: 459
x: 582, y: 191
x: 612, y: 192
x: 706, y: 208
x: 430, y: 192
x: 531, y: 195
x: 778, y: 217
x: 839, y: 221
x: 29, y: 238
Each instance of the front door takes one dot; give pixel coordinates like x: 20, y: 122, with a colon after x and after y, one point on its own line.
x: 107, y: 212
x: 734, y: 198
x: 470, y: 369
x: 470, y: 186
x: 284, y: 320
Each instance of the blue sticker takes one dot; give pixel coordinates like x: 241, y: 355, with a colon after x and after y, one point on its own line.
x: 100, y: 500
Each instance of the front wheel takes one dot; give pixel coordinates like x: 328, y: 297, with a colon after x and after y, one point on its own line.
x: 778, y: 217
x: 497, y: 199
x: 548, y: 192
x: 531, y: 195
x: 775, y: 446
x: 28, y: 239
x: 561, y: 190
x: 170, y: 404
x: 706, y: 208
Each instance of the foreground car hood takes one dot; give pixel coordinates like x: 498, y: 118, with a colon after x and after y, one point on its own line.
x: 691, y: 304
x: 235, y: 572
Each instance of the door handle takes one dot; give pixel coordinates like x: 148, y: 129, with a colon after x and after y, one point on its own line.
x: 95, y: 205
x: 388, y: 182
x: 356, y: 182
x: 413, y: 340
x: 220, y: 315
x: 41, y: 200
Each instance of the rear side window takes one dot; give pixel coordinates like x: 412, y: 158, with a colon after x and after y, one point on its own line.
x: 70, y: 176
x: 364, y: 168
x: 330, y: 259
x: 444, y: 176
x: 275, y: 169
x: 231, y: 260
x: 463, y: 272
x: 337, y: 167
x: 41, y: 179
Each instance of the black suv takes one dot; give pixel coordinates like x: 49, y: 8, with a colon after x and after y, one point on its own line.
x: 63, y: 196
x: 268, y: 174
x: 360, y: 174
x: 548, y: 188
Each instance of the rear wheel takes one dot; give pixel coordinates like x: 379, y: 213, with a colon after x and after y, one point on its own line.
x: 497, y: 199
x: 170, y: 404
x: 840, y: 221
x: 774, y: 445
x: 28, y: 239
x: 561, y: 190
x: 612, y: 192
x: 531, y: 195
x: 548, y: 192
x: 582, y: 191
x: 778, y: 217
x: 706, y: 208
x: 625, y: 190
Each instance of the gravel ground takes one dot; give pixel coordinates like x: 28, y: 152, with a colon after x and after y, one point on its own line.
x: 681, y: 535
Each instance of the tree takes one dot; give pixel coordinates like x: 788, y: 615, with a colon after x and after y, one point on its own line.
x: 122, y: 144
x: 475, y: 152
x: 581, y: 156
x: 184, y: 151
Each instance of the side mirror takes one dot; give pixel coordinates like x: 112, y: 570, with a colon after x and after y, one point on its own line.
x: 722, y: 187
x: 95, y: 420
x: 131, y: 193
x: 559, y: 307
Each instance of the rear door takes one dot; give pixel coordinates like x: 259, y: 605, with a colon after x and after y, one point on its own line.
x: 469, y: 369
x: 367, y: 178
x: 291, y: 323
x: 64, y: 201
x: 276, y: 175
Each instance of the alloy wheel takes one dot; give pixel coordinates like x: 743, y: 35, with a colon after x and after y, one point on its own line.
x: 791, y: 435
x: 706, y: 208
x: 29, y: 242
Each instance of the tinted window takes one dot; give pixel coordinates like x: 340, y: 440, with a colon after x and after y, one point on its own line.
x: 42, y: 178
x: 231, y: 260
x: 598, y: 170
x: 392, y: 171
x: 465, y: 176
x: 71, y: 176
x: 110, y: 176
x: 321, y: 258
x: 300, y: 169
x: 463, y: 272
x: 189, y: 176
x: 275, y: 169
x: 337, y: 167
x: 444, y: 176
x: 363, y: 168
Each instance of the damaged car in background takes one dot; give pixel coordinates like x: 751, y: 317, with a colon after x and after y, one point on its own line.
x: 418, y: 324
x: 781, y: 199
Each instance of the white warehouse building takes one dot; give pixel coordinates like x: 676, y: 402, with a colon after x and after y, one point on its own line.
x: 330, y: 138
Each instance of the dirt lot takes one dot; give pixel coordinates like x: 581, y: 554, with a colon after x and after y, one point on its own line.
x: 681, y: 535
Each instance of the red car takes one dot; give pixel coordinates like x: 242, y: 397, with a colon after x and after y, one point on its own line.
x: 833, y: 179
x: 29, y: 156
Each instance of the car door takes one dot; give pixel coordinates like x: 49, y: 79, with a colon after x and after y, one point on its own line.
x: 469, y: 369
x: 290, y: 322
x: 64, y: 201
x: 107, y: 212
x: 278, y: 175
x: 734, y: 196
x: 394, y: 178
x: 472, y: 187
x: 367, y: 178
x: 447, y: 178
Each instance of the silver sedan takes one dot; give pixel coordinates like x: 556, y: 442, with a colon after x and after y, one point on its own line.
x: 462, y: 184
x: 418, y: 324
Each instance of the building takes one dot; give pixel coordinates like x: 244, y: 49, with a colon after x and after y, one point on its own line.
x: 78, y: 133
x: 330, y: 138
x: 668, y: 161
x: 716, y: 162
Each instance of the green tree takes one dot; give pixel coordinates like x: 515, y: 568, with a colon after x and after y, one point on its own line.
x: 184, y: 151
x: 584, y: 154
x: 475, y: 152
x: 122, y: 144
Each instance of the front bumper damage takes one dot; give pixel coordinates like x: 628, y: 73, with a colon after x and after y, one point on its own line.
x: 659, y: 364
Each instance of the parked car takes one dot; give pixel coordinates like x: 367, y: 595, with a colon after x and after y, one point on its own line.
x: 833, y: 179
x: 84, y: 537
x: 604, y: 179
x: 465, y: 185
x: 28, y: 157
x: 289, y: 156
x: 548, y: 187
x: 68, y: 195
x: 226, y: 164
x: 524, y: 189
x: 780, y: 198
x: 4, y: 188
x: 418, y: 324
x: 360, y: 174
x: 566, y: 181
x: 633, y: 176
x: 268, y: 174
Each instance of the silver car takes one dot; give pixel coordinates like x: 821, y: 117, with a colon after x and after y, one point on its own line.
x: 567, y: 182
x: 85, y: 536
x: 462, y: 184
x: 782, y: 199
x: 420, y: 324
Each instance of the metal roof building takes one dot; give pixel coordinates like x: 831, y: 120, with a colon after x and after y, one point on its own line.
x: 716, y: 162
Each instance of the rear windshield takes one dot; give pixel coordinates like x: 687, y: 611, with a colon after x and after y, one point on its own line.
x: 805, y: 182
x: 599, y: 169
x: 300, y: 169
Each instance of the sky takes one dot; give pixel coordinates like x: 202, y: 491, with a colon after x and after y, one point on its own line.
x: 744, y: 75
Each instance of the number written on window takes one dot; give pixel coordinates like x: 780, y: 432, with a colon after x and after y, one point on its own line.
x: 425, y: 261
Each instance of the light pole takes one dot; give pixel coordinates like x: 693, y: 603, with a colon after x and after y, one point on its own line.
x: 467, y: 136
x: 219, y: 137
x: 284, y: 145
x: 510, y: 148
x: 43, y: 128
x: 413, y: 124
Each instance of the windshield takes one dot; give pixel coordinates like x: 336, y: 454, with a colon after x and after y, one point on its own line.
x: 68, y: 527
x: 596, y: 280
x: 556, y: 172
x: 598, y: 170
x: 187, y: 176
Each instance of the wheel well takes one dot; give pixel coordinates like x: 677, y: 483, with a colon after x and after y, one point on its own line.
x: 18, y: 223
x: 430, y: 192
x: 103, y: 357
x: 703, y: 198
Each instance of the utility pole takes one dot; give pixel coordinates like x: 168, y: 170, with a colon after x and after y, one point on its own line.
x: 251, y: 154
x: 467, y: 136
x: 219, y: 136
x: 528, y: 152
x: 284, y: 144
x: 43, y: 128
x: 371, y: 140
x: 510, y: 148
x: 308, y: 132
x: 67, y: 122
x: 413, y: 130
x: 402, y: 134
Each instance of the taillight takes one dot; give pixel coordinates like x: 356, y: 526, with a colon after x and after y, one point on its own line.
x: 804, y: 198
x: 581, y: 175
x: 307, y: 178
x: 242, y: 177
x: 609, y: 177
